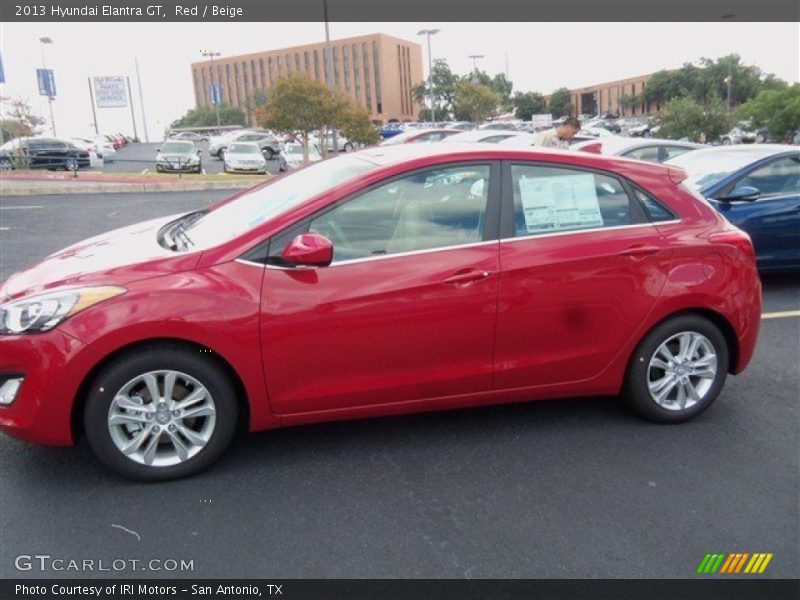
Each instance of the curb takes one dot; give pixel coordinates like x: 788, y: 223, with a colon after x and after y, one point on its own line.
x: 27, y: 188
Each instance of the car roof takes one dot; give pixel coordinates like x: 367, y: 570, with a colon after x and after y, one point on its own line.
x: 615, y: 144
x: 757, y: 151
x: 386, y: 156
x: 477, y: 135
x: 249, y: 144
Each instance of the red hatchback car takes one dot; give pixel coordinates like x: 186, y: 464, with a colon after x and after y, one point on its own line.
x: 387, y: 281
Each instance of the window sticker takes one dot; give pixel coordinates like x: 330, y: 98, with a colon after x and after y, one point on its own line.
x: 560, y: 203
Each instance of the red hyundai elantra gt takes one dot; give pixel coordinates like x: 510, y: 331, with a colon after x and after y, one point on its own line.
x: 388, y: 281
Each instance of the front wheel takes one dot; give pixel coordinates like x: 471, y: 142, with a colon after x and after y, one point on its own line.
x: 678, y: 370
x: 269, y: 153
x: 160, y: 414
x: 349, y: 147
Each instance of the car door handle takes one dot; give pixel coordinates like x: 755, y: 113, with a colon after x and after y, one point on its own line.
x: 639, y: 250
x: 466, y: 277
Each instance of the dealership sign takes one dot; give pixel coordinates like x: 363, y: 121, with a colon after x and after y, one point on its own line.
x: 110, y: 91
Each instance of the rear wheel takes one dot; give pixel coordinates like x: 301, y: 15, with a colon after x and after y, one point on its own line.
x: 160, y: 414
x: 269, y: 153
x: 678, y: 370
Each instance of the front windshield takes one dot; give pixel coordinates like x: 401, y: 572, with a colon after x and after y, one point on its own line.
x: 176, y: 148
x: 708, y: 167
x: 243, y: 149
x: 282, y: 194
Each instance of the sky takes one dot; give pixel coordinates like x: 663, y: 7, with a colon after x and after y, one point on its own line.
x: 540, y: 56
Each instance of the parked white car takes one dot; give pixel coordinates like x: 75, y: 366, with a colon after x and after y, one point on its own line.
x: 291, y: 157
x: 245, y: 157
x: 342, y: 143
x: 96, y: 156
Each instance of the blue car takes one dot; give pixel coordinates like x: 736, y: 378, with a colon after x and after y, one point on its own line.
x: 757, y: 188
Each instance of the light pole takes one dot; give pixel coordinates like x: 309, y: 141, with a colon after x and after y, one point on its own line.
x: 42, y: 42
x: 429, y: 33
x: 475, y: 58
x: 209, y: 54
x: 329, y: 76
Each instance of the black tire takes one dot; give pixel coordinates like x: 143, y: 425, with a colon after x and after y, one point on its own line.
x: 221, y: 154
x: 636, y: 390
x: 116, y: 374
x: 268, y: 153
x: 348, y: 147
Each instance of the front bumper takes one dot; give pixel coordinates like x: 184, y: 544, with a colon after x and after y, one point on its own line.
x: 54, y: 365
x: 246, y: 168
x: 168, y: 166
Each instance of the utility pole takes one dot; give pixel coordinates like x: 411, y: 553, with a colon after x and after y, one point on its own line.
x: 42, y: 42
x: 211, y: 55
x: 329, y: 73
x: 475, y: 58
x: 429, y: 33
x: 141, y: 98
x: 729, y: 81
x: 94, y: 110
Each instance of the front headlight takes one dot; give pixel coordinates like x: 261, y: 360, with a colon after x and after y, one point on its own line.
x: 42, y: 312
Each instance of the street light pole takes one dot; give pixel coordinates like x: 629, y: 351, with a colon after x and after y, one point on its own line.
x: 729, y: 81
x: 42, y: 42
x: 329, y: 74
x: 429, y: 33
x: 211, y: 55
x: 475, y: 58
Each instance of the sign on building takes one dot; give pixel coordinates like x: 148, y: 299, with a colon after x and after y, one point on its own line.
x: 216, y: 93
x: 110, y: 91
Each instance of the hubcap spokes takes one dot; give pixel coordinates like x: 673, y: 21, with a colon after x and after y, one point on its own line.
x: 162, y: 418
x: 682, y: 371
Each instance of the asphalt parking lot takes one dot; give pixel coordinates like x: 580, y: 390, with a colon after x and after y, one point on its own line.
x: 570, y: 488
x: 135, y: 158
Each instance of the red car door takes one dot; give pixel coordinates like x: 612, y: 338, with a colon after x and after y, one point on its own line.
x: 407, y: 309
x: 581, y: 268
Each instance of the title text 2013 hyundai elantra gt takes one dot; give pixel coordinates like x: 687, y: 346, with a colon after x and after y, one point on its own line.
x: 386, y: 281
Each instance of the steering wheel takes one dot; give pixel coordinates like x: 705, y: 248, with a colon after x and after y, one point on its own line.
x: 333, y: 231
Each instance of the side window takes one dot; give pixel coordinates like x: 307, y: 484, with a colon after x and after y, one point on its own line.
x: 431, y: 209
x: 654, y: 209
x: 648, y: 153
x: 777, y: 178
x: 493, y: 139
x: 555, y: 199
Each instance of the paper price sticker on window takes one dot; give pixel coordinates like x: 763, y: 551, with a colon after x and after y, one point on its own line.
x: 560, y: 203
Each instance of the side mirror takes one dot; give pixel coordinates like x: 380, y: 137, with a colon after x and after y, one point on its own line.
x: 198, y: 152
x: 744, y: 193
x: 309, y: 250
x: 158, y: 150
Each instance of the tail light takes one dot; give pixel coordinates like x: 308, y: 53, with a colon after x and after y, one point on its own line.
x: 735, y: 237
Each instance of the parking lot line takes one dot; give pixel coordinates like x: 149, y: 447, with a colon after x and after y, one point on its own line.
x: 19, y: 207
x: 783, y: 314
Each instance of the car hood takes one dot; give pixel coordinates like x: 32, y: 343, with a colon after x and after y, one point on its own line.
x: 114, y: 258
x: 183, y: 157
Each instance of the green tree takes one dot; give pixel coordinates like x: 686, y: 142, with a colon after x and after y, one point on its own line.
x: 206, y: 116
x: 17, y: 119
x: 528, y: 104
x: 357, y: 127
x: 776, y: 109
x: 688, y: 118
x: 475, y: 102
x: 444, y: 88
x: 560, y: 103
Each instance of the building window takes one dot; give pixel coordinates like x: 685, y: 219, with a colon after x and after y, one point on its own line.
x: 228, y: 83
x: 402, y: 80
x: 356, y: 74
x: 316, y: 65
x: 307, y: 59
x: 336, y: 67
x: 367, y: 86
x: 325, y: 59
x: 376, y: 61
x: 297, y: 67
x: 288, y: 64
x: 346, y: 68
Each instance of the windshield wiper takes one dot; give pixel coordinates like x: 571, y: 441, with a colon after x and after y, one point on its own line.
x: 174, y: 234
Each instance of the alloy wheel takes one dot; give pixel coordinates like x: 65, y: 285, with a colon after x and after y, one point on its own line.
x: 682, y: 371
x: 162, y: 418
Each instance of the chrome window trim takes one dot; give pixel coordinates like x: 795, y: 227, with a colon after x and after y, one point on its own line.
x: 377, y: 257
x: 590, y: 230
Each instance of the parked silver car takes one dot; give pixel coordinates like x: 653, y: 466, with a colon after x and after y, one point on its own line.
x: 269, y: 145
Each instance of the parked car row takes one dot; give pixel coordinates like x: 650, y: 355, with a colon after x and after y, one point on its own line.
x: 43, y: 153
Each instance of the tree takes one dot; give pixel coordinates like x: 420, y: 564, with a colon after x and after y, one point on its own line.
x: 475, y: 102
x: 356, y: 126
x: 18, y: 119
x: 688, y: 118
x: 444, y: 88
x: 206, y: 116
x: 776, y: 109
x: 528, y: 104
x: 560, y: 103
